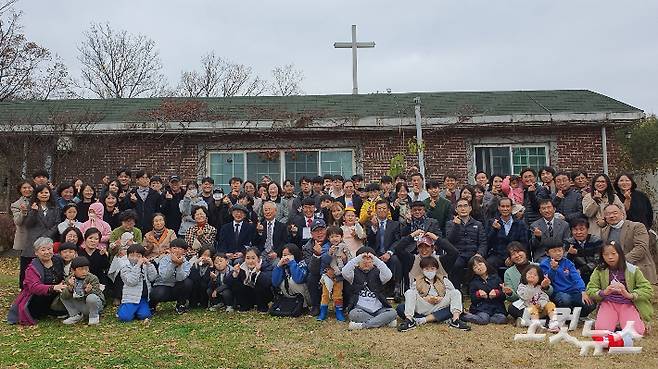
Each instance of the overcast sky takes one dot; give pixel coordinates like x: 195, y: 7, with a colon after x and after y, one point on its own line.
x: 606, y: 46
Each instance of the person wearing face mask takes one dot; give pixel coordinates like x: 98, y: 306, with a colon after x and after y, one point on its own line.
x: 190, y: 200
x: 96, y: 212
x: 137, y: 278
x: 430, y: 296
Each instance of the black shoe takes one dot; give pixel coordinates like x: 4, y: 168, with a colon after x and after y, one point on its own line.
x: 459, y: 324
x: 181, y: 309
x: 407, y: 325
x: 262, y: 309
x: 315, y: 311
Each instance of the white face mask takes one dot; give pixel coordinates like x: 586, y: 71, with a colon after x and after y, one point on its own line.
x: 133, y: 261
x: 429, y: 275
x: 191, y: 192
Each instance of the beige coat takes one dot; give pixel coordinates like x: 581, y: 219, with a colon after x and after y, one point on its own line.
x: 20, y: 237
x: 635, y: 243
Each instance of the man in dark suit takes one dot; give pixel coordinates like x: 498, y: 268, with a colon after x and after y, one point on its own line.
x: 501, y: 231
x: 236, y: 236
x: 547, y: 230
x: 300, y: 225
x: 271, y: 235
x: 383, y: 237
x: 145, y: 201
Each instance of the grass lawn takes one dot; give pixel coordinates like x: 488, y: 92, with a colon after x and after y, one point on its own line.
x: 202, y: 339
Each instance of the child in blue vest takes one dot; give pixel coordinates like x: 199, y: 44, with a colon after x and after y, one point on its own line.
x: 568, y: 286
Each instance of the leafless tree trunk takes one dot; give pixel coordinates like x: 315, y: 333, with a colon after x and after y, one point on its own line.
x: 116, y: 64
x: 286, y: 81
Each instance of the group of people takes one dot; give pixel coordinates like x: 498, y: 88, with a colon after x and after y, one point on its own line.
x: 516, y: 246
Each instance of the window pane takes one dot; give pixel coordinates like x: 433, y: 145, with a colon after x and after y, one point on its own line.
x: 300, y: 164
x: 533, y: 157
x: 260, y: 164
x: 224, y: 166
x: 337, y: 162
x: 493, y: 159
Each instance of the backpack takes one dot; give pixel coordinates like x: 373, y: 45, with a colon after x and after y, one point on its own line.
x: 287, y: 306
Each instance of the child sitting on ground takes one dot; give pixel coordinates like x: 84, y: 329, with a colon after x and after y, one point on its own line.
x: 290, y: 274
x: 568, y: 286
x: 219, y: 290
x: 533, y: 296
x: 487, y: 298
x: 624, y: 292
x: 201, y: 263
x: 332, y: 261
x: 82, y: 295
x: 368, y: 306
x: 431, y: 293
x: 137, y: 276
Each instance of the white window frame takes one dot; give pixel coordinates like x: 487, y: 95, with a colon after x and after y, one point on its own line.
x: 282, y: 158
x: 511, y: 147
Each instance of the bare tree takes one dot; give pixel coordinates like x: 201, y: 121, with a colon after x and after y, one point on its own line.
x: 51, y: 81
x: 286, y: 81
x: 116, y: 64
x: 19, y: 58
x: 219, y: 77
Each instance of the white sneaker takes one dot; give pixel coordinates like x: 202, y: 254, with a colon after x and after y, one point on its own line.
x: 72, y: 319
x: 553, y: 326
x: 354, y: 326
x: 94, y: 321
x: 393, y: 323
x: 229, y: 309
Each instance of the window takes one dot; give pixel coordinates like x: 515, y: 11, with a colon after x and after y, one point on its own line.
x: 224, y: 166
x: 510, y: 159
x: 279, y: 165
x: 300, y: 164
x: 337, y: 162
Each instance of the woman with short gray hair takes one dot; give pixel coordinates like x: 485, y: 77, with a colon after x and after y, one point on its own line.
x: 44, y: 281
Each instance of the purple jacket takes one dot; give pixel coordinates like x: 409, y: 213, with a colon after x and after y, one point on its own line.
x: 32, y: 285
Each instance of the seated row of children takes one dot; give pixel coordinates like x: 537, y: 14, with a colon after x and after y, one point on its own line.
x: 203, y: 278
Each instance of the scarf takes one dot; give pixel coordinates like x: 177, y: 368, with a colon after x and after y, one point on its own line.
x: 417, y: 224
x: 618, y: 225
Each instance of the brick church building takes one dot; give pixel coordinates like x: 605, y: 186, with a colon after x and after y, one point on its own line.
x: 288, y: 137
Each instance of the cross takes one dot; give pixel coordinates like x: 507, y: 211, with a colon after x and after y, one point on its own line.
x: 354, y: 45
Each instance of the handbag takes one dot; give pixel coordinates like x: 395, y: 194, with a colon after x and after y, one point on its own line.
x: 285, y: 305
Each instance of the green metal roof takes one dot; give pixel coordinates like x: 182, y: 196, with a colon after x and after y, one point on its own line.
x: 384, y: 105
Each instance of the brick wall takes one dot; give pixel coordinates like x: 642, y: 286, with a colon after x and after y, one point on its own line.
x: 446, y: 151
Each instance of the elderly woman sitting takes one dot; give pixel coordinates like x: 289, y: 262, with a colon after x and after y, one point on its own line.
x: 43, y: 283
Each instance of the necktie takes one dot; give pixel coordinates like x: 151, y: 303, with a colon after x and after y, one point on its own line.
x: 268, y: 240
x: 382, y: 229
x: 550, y: 229
x: 308, y: 222
x: 237, y: 232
